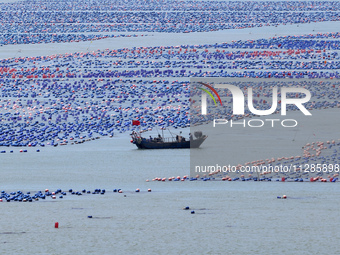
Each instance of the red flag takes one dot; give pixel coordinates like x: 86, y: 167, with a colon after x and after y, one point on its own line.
x: 135, y: 123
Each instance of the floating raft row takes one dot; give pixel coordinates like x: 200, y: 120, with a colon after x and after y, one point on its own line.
x: 261, y: 179
x: 79, y: 22
x: 19, y: 196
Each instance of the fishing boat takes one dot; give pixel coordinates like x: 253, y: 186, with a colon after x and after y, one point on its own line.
x: 178, y: 142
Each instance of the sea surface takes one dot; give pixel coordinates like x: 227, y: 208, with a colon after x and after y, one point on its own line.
x: 230, y: 217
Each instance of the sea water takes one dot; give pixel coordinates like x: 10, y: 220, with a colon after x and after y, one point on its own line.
x: 230, y: 217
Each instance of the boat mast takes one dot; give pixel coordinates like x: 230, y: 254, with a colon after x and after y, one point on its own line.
x: 171, y: 134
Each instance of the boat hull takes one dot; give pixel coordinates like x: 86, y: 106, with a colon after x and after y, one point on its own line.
x: 146, y: 144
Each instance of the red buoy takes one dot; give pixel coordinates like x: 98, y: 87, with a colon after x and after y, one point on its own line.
x: 56, y: 225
